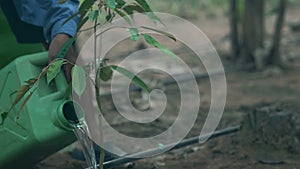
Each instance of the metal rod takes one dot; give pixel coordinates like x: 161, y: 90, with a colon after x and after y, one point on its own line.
x: 183, y: 143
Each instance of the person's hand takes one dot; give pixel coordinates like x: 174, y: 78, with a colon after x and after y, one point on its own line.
x: 58, y: 41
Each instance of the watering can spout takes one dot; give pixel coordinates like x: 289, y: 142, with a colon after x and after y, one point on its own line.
x: 69, y: 115
x: 46, y: 121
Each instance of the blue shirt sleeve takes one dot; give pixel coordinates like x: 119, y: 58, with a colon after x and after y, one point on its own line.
x: 50, y: 15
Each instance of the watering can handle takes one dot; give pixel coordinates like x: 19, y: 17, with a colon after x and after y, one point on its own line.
x: 61, y: 84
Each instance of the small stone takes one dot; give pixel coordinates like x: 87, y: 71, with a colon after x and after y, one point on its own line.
x: 195, y: 149
x: 129, y: 165
x: 270, y: 161
x: 160, y: 164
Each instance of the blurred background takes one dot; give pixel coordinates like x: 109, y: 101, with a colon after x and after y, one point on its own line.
x: 259, y: 44
x: 9, y: 48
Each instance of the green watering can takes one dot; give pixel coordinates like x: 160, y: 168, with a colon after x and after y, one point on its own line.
x: 45, y: 123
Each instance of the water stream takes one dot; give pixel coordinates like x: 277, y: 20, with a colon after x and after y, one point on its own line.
x: 83, y: 135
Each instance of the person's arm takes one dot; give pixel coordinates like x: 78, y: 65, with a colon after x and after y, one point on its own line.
x: 50, y: 15
x: 56, y: 44
x: 59, y: 32
x: 56, y: 15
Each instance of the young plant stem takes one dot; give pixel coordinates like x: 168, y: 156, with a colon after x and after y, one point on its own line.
x: 98, y: 99
x: 97, y: 89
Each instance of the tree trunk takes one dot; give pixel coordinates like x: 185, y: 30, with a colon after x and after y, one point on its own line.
x: 235, y: 48
x: 253, y: 29
x: 274, y: 55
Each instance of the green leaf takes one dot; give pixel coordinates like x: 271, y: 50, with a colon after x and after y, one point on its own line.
x: 120, y: 3
x: 85, y: 6
x: 93, y: 15
x: 102, y: 17
x: 131, y: 76
x: 134, y: 34
x: 150, y: 40
x: 111, y: 4
x: 123, y: 15
x: 149, y: 11
x: 83, y: 9
x: 109, y: 16
x: 130, y: 8
x: 128, y: 11
x: 65, y: 48
x: 78, y: 80
x: 144, y: 4
x: 62, y: 1
x: 54, y: 69
x: 4, y: 115
x: 161, y: 32
x: 105, y: 73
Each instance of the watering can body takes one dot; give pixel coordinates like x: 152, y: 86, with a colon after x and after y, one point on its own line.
x: 41, y: 128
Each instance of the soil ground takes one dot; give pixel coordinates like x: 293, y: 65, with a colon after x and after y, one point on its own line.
x: 246, y: 92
